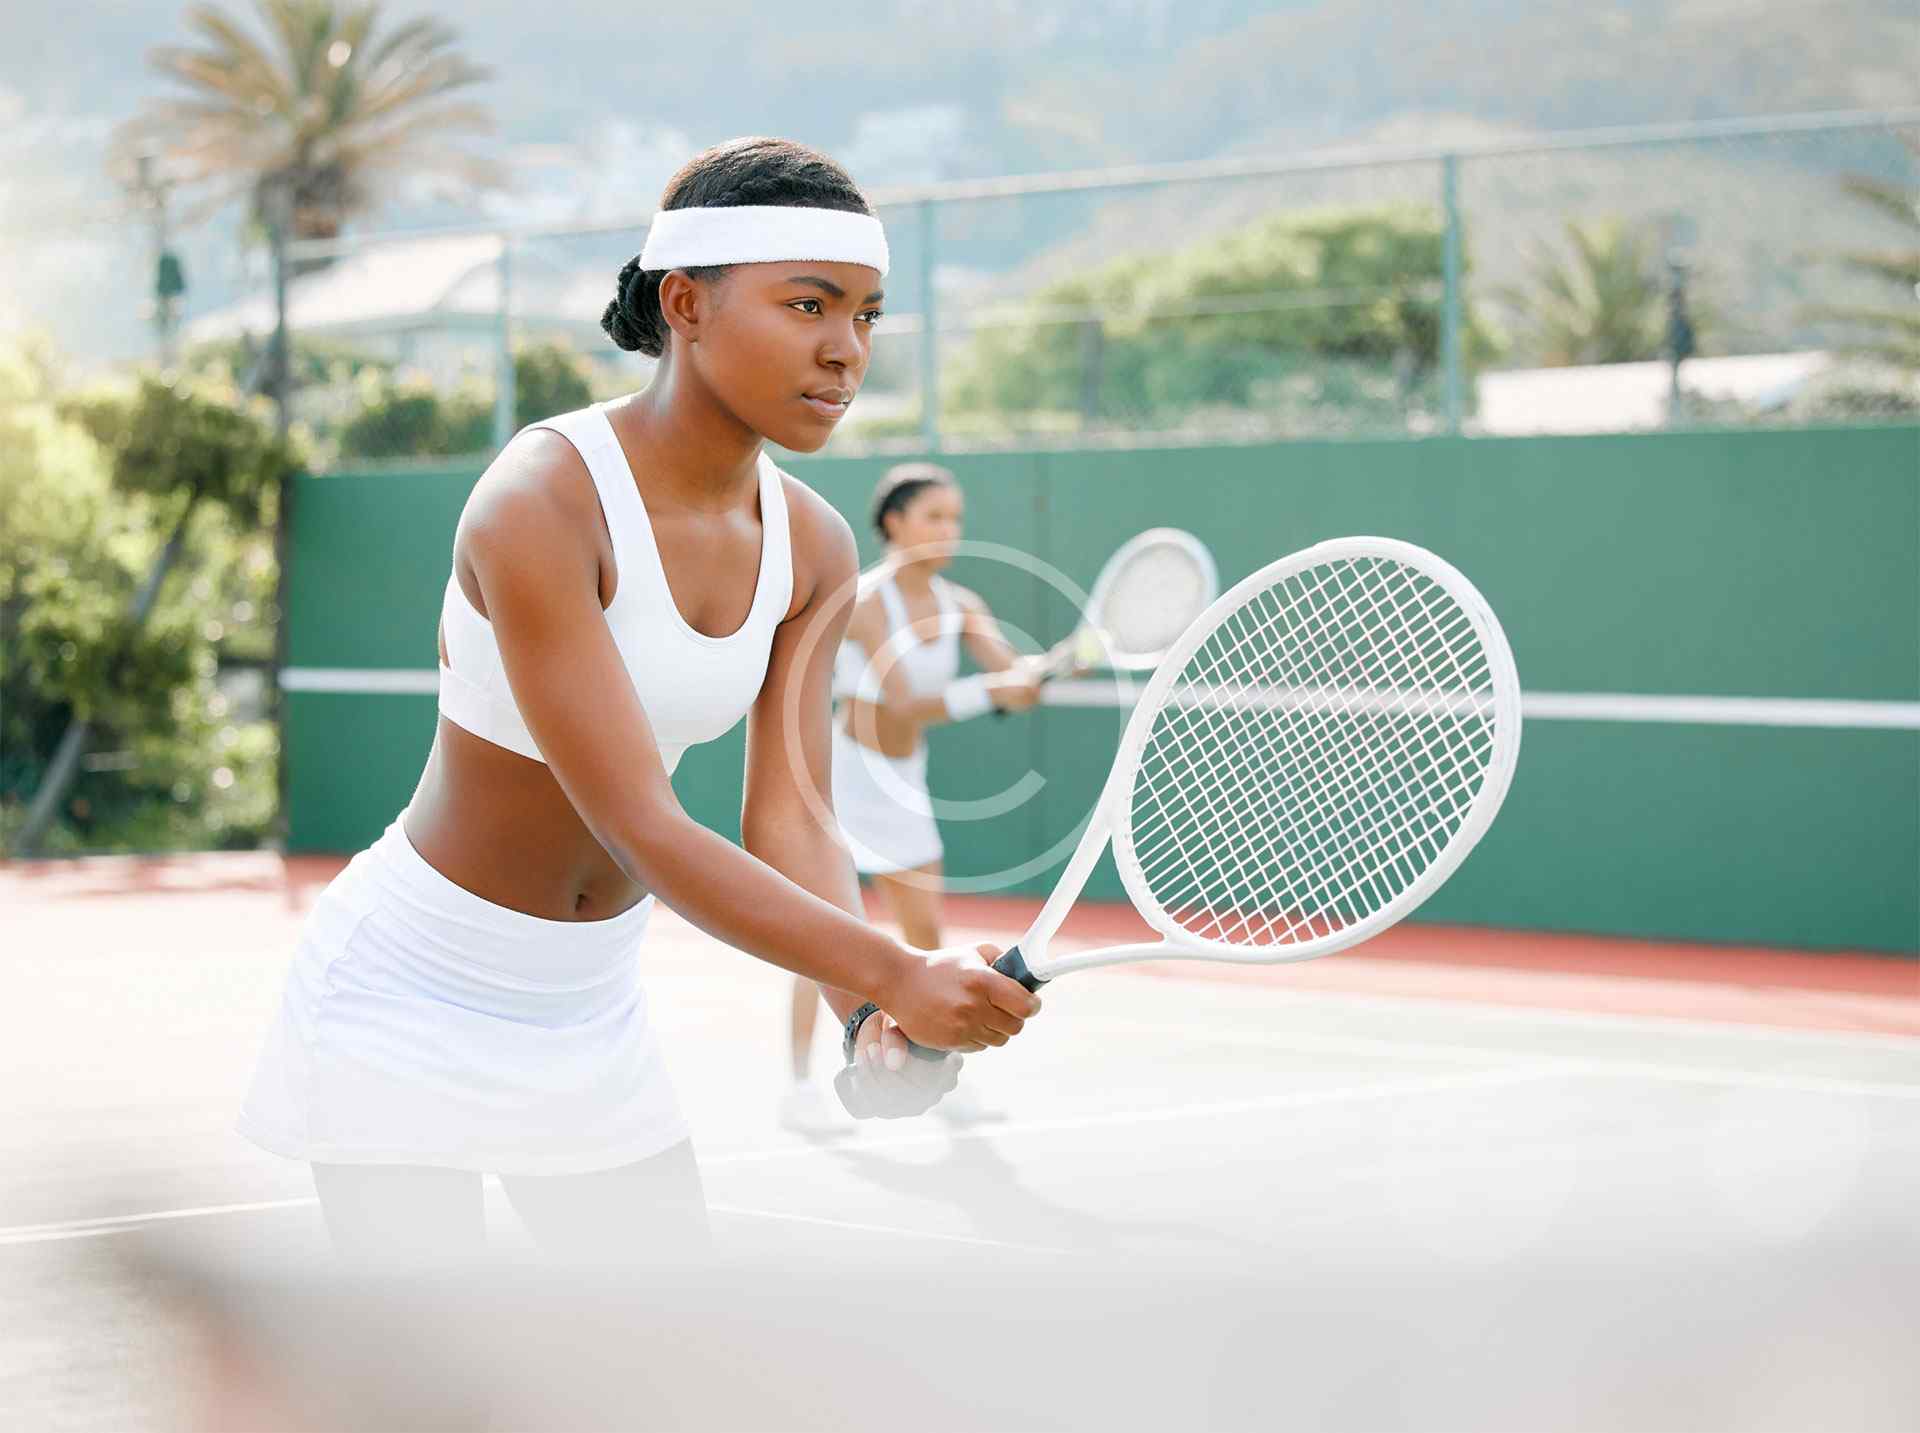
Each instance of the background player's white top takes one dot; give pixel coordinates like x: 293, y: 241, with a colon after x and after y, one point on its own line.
x: 927, y: 662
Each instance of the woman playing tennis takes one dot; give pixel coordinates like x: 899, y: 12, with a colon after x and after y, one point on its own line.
x: 899, y: 671
x: 628, y: 581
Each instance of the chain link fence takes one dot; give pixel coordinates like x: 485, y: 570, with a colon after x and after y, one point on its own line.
x: 1697, y: 275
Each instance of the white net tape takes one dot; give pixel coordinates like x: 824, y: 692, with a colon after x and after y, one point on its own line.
x: 1317, y: 754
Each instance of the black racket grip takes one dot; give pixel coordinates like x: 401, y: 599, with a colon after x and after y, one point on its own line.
x: 1013, y: 965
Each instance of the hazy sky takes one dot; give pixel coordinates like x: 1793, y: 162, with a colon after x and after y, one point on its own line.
x: 597, y: 101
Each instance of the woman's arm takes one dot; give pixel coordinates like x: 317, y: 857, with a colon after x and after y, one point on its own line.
x: 529, y: 540
x: 787, y: 815
x: 986, y: 644
x: 1005, y: 686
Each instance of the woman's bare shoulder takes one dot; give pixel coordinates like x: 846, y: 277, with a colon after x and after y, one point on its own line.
x: 967, y: 598
x: 537, y: 482
x: 825, y: 556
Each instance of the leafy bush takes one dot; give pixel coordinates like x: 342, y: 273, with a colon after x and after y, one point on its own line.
x: 400, y: 417
x: 1287, y: 312
x: 91, y: 488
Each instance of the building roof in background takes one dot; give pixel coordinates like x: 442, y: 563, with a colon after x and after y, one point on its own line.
x: 1620, y: 397
x: 439, y: 283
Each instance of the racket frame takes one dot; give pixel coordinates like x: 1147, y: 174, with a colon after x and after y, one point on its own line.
x: 1107, y: 823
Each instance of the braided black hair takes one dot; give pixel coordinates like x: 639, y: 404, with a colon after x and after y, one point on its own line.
x: 901, y: 484
x: 739, y: 172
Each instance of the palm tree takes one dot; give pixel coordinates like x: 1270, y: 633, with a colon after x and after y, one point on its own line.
x: 319, y: 119
x: 314, y: 123
x: 1604, y: 302
x: 1890, y: 332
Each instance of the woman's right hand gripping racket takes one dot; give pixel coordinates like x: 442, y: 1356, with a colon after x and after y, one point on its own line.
x: 1313, y: 759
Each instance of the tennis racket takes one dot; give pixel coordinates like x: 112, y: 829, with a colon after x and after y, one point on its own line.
x: 1147, y: 594
x: 1313, y: 758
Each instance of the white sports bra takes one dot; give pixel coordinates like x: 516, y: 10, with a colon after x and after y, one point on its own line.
x: 928, y: 664
x: 694, y: 687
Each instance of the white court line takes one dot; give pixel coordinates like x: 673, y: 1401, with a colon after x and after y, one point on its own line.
x: 131, y: 1223
x: 1512, y: 1014
x: 1293, y: 1099
x: 1565, y: 1064
x: 1383, y: 1089
x: 126, y: 1223
x: 972, y: 1239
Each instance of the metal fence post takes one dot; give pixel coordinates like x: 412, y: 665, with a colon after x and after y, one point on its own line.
x: 503, y: 388
x: 929, y: 333
x: 1450, y: 301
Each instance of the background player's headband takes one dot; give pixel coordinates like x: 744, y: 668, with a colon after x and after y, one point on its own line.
x: 761, y: 234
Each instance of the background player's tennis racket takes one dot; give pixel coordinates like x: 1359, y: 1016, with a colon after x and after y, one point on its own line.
x: 1150, y: 591
x: 1147, y: 594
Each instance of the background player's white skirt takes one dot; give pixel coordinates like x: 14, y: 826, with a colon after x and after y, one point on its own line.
x: 422, y: 1024
x: 883, y: 806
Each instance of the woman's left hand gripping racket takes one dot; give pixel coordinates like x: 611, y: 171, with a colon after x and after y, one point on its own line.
x: 1311, y: 761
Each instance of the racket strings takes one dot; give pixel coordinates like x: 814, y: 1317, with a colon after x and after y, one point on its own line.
x: 1303, y: 850
x: 1308, y: 709
x: 1400, y: 812
x: 1254, y: 790
x: 1316, y: 755
x: 1300, y: 851
x: 1398, y: 809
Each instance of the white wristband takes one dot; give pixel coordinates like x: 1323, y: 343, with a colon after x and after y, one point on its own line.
x: 967, y: 698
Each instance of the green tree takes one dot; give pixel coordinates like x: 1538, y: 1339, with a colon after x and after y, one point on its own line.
x: 314, y: 122
x: 408, y: 418
x: 330, y: 109
x: 1600, y: 299
x: 1331, y: 309
x: 91, y: 486
x: 548, y: 378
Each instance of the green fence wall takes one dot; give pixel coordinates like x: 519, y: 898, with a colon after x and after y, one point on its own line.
x: 1743, y: 564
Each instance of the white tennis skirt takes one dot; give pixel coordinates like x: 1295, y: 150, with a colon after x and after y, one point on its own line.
x: 883, y: 807
x: 422, y: 1024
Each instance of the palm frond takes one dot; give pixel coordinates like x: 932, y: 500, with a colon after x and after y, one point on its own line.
x: 241, y: 85
x: 410, y: 37
x: 1898, y: 268
x: 237, y: 49
x: 1901, y: 321
x: 1896, y: 201
x: 322, y: 98
x: 428, y: 80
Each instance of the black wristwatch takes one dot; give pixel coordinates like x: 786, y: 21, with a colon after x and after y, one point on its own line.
x: 854, y: 1022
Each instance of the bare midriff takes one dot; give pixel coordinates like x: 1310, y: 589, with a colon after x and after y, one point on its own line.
x: 497, y: 824
x: 878, y: 729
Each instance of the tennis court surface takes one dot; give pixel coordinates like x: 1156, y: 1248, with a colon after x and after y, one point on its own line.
x: 1461, y: 1178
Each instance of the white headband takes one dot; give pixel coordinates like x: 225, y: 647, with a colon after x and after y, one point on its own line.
x: 761, y: 234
